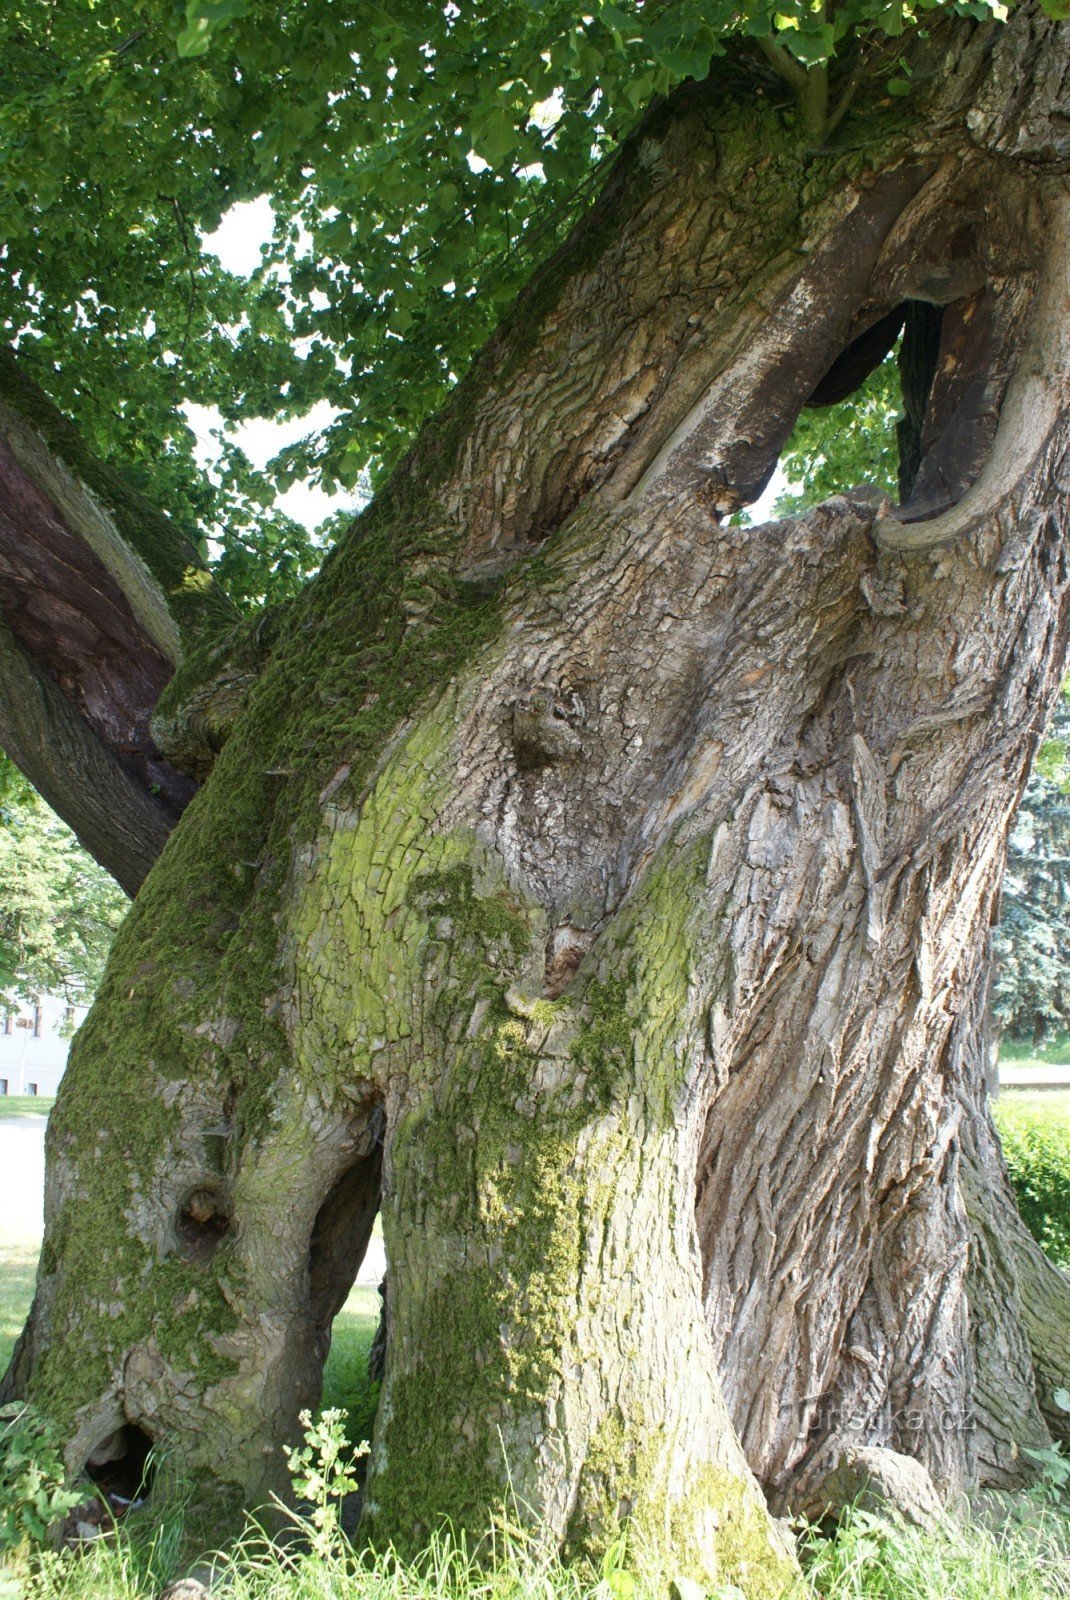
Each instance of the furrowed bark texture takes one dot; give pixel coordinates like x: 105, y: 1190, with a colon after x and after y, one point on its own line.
x: 605, y: 889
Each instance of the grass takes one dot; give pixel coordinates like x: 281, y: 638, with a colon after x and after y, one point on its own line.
x: 18, y: 1268
x: 345, y: 1377
x: 1047, y: 1105
x: 26, y: 1105
x: 1029, y: 1559
x: 1023, y: 1052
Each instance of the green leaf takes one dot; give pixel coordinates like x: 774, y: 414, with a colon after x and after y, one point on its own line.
x: 682, y: 1588
x: 496, y: 137
x: 811, y: 48
x: 195, y: 38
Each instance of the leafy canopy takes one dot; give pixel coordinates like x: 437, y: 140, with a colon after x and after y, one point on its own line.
x: 419, y: 159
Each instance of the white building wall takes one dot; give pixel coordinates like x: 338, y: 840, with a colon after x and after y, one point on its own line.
x: 34, y: 1041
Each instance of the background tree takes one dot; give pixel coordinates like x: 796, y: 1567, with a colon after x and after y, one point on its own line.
x: 601, y: 888
x: 1032, y: 993
x: 58, y: 910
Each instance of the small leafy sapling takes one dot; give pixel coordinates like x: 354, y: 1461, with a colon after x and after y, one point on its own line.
x: 33, y: 1481
x: 323, y: 1473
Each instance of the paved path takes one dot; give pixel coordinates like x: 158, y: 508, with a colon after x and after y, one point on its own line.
x: 1012, y: 1077
x: 22, y: 1177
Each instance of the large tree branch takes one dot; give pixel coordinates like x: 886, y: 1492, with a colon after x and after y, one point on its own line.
x: 102, y: 596
x: 117, y: 820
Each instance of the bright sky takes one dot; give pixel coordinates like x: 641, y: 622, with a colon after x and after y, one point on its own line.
x: 237, y: 242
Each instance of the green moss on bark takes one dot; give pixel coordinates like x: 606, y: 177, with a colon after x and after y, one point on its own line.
x: 628, y: 1490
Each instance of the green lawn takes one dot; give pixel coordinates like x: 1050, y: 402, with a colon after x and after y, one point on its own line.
x: 26, y: 1105
x: 18, y: 1265
x: 345, y: 1377
x: 1049, y: 1105
x: 1023, y: 1052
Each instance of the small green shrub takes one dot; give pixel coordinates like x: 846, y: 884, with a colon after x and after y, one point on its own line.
x: 323, y: 1471
x: 33, y: 1488
x: 1054, y: 1482
x: 1037, y: 1151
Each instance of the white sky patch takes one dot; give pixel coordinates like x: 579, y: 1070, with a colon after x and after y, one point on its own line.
x: 761, y: 510
x: 241, y: 234
x: 262, y: 439
x: 237, y: 243
x: 545, y: 114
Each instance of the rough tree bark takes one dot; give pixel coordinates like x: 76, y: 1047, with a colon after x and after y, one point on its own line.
x: 605, y: 888
x: 102, y: 598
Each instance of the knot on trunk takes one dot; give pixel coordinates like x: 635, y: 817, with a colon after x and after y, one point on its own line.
x: 546, y: 727
x: 197, y: 710
x: 204, y: 1217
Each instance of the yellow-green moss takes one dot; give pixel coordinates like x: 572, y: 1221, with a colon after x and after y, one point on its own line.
x: 625, y: 1491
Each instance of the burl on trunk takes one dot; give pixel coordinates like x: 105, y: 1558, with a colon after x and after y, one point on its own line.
x: 604, y: 888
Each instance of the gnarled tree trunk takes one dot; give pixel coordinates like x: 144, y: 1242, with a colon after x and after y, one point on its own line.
x: 608, y: 886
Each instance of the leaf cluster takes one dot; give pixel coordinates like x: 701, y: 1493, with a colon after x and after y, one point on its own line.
x: 33, y: 1480
x: 1036, y: 1149
x: 833, y: 448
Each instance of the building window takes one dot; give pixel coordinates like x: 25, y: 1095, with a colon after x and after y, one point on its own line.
x: 9, y: 1022
x: 31, y: 1088
x: 37, y: 1019
x: 3, y: 1086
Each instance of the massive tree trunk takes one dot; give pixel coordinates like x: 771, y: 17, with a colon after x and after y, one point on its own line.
x: 605, y: 887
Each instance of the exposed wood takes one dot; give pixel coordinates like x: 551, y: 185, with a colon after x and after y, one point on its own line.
x: 104, y: 596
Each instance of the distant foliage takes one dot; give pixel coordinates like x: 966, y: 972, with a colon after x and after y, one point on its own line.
x: 833, y: 448
x: 58, y: 910
x: 1037, y: 1152
x: 1032, y: 992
